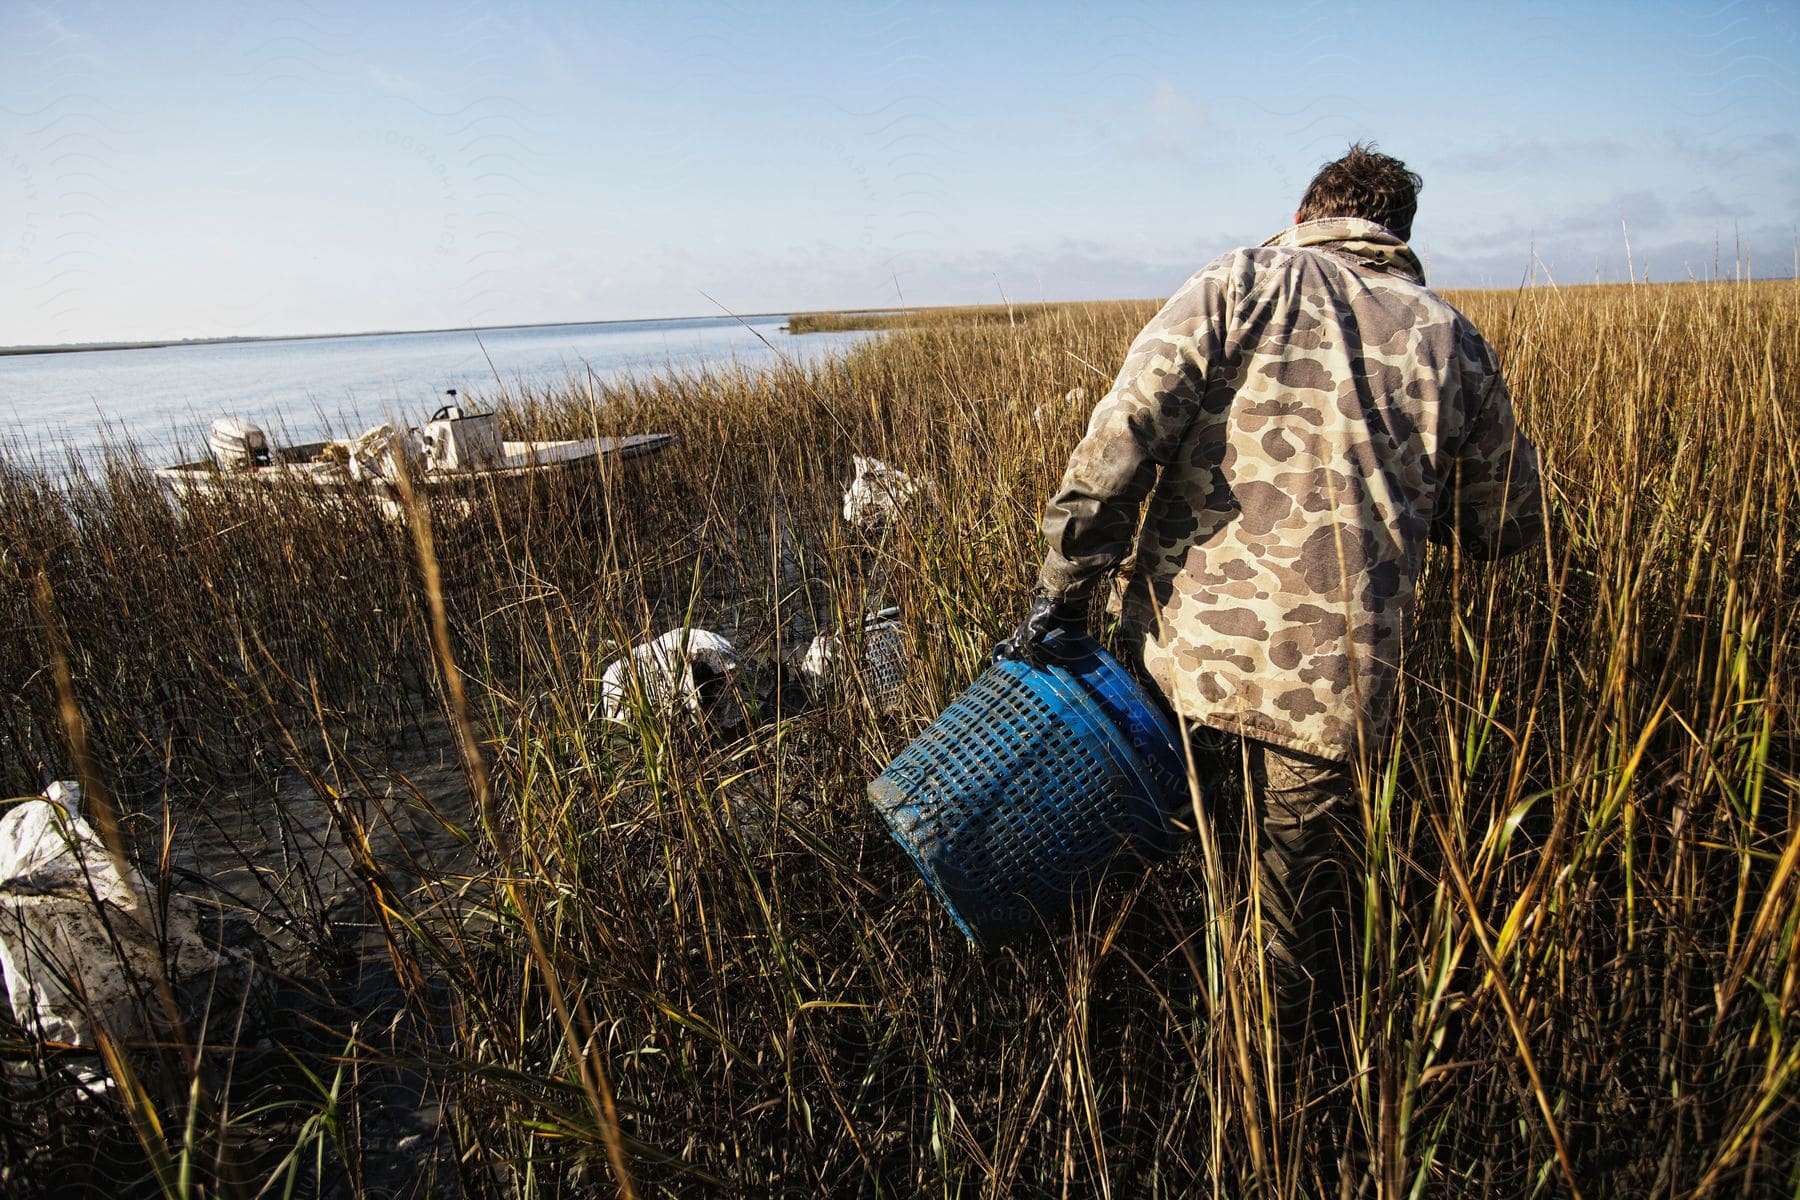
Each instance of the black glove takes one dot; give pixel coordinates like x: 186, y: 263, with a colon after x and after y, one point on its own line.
x: 1065, y: 615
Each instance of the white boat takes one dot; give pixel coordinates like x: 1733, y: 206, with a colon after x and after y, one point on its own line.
x: 454, y: 451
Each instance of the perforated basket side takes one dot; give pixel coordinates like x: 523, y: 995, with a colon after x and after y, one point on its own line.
x: 1137, y: 715
x: 1021, y: 792
x: 1149, y: 814
x: 884, y: 653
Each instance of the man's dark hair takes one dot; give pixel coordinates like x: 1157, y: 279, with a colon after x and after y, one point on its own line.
x: 1364, y: 184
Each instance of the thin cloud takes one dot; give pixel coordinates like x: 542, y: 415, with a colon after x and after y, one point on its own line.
x: 1537, y: 152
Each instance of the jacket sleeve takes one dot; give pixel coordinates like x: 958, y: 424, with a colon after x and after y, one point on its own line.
x: 1491, y: 504
x: 1135, y: 429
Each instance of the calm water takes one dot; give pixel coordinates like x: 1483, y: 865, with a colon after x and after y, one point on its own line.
x: 163, y: 399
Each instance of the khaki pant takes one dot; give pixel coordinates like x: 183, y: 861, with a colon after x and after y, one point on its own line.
x: 1307, y: 842
x: 1300, y: 814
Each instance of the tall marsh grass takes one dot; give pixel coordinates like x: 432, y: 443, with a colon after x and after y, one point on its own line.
x: 664, y: 962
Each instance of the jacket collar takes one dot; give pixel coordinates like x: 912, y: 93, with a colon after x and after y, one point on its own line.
x: 1365, y: 241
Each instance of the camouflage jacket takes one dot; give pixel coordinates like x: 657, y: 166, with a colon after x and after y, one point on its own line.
x: 1303, y: 416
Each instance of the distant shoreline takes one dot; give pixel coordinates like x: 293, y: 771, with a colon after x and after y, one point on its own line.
x: 817, y: 320
x: 170, y: 343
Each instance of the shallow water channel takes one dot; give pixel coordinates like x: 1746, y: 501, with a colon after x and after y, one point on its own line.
x: 288, y: 866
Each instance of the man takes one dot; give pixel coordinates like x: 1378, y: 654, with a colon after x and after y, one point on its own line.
x: 1303, y: 417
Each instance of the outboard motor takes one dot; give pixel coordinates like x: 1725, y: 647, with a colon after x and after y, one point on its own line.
x: 237, y: 445
x: 458, y: 441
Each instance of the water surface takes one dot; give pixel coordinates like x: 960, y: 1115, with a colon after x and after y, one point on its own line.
x: 163, y: 398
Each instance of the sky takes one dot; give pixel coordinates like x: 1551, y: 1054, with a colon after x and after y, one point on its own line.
x: 310, y: 166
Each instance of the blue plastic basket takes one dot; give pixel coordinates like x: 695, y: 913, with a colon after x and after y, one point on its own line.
x: 1034, y: 784
x: 1133, y: 711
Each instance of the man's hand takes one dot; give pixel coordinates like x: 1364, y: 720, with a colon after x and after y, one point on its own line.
x: 1065, y: 615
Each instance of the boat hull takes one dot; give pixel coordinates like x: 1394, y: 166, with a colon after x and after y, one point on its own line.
x: 308, y: 465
